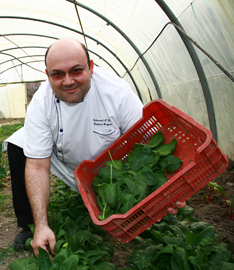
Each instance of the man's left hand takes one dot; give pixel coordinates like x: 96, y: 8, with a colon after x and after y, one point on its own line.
x: 179, y: 205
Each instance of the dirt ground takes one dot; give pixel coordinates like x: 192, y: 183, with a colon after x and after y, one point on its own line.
x: 214, y: 212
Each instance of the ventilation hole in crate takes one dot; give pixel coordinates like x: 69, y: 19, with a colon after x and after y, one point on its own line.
x: 158, y: 125
x: 151, y: 123
x: 132, y: 218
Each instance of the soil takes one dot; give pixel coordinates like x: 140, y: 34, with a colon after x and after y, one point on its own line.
x: 214, y: 212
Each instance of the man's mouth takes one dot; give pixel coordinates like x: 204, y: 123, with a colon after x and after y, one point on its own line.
x: 70, y: 89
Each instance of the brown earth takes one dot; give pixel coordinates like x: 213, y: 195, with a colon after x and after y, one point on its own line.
x: 214, y: 212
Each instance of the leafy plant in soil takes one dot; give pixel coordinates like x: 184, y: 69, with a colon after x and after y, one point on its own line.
x: 176, y: 243
x: 79, y: 244
x: 121, y: 185
x: 214, y: 187
x: 2, y: 170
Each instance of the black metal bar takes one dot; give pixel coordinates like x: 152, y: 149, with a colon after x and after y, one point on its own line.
x: 76, y: 31
x: 198, y: 67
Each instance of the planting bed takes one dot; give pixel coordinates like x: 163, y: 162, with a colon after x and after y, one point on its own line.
x: 214, y: 213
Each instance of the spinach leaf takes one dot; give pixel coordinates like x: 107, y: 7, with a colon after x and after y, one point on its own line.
x: 128, y: 201
x: 136, y: 184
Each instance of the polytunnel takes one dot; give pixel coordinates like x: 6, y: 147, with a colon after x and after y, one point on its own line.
x: 181, y: 51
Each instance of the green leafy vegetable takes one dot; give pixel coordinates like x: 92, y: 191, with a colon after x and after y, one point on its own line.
x: 121, y: 185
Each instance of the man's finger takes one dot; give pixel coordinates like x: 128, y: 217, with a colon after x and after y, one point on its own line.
x: 181, y: 204
x: 172, y: 211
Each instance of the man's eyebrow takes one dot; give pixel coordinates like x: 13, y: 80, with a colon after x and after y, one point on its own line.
x: 76, y: 66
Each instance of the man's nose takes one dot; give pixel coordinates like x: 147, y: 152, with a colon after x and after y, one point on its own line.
x: 68, y: 79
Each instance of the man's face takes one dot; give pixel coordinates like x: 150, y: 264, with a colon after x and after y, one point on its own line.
x: 64, y: 56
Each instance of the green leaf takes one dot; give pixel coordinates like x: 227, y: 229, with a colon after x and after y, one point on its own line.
x: 117, y: 164
x: 161, y: 179
x: 103, y: 266
x: 149, y: 176
x: 136, y: 184
x: 105, y: 246
x: 156, y: 140
x: 165, y: 250
x: 44, y: 259
x: 184, y: 213
x: 60, y: 234
x: 24, y: 264
x: 179, y: 260
x: 208, y: 232
x: 141, y: 258
x: 111, y: 194
x: 177, y: 231
x: 2, y: 172
x: 170, y: 163
x: 190, y: 238
x: 95, y: 255
x: 142, y: 158
x: 227, y: 266
x: 71, y: 263
x: 70, y: 227
x: 28, y: 243
x: 59, y: 259
x: 128, y: 201
x: 58, y: 246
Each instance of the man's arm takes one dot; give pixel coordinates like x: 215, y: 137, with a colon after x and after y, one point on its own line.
x: 38, y: 188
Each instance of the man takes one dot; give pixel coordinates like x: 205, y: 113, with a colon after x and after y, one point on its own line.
x: 75, y: 115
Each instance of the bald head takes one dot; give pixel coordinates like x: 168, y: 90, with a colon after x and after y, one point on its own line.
x: 64, y: 45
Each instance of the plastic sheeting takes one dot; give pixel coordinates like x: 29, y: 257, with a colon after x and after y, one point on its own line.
x: 117, y: 33
x: 13, y: 101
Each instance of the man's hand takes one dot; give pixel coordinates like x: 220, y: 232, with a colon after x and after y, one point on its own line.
x: 179, y: 205
x: 43, y: 236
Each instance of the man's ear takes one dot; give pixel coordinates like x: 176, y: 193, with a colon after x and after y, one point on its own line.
x: 47, y: 73
x: 91, y: 66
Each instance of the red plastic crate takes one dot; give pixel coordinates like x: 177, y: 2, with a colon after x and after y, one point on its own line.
x: 202, y: 162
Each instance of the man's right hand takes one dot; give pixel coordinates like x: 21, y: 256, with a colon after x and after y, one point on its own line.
x: 43, y: 236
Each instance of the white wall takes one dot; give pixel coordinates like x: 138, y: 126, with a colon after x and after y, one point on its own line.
x: 13, y: 101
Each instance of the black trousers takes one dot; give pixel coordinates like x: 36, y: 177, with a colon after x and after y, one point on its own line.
x: 21, y: 203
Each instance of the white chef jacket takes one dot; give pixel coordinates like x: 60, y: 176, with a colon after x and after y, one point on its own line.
x: 72, y: 132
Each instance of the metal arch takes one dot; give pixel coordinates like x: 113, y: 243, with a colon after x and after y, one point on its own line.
x: 43, y: 61
x: 23, y: 47
x: 39, y: 35
x: 42, y: 55
x: 20, y: 61
x: 35, y: 55
x: 197, y: 65
x: 128, y: 40
x: 41, y: 47
x: 76, y: 31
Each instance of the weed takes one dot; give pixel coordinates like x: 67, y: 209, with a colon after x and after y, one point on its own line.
x: 213, y: 187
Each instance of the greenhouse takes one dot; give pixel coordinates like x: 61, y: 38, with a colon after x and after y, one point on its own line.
x: 176, y: 53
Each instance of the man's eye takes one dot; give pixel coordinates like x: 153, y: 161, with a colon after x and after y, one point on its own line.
x: 57, y: 73
x: 76, y: 71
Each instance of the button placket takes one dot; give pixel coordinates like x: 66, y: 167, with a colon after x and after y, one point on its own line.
x: 59, y: 143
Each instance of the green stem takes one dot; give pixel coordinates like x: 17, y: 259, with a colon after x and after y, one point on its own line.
x: 104, y: 210
x: 112, y: 159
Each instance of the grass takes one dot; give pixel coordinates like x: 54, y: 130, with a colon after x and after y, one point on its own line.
x: 8, y: 129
